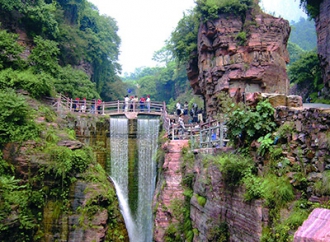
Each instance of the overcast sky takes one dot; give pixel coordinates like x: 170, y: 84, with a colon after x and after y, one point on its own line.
x: 144, y: 25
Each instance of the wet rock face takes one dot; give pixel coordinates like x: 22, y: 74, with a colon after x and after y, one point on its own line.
x: 240, y: 55
x: 322, y: 23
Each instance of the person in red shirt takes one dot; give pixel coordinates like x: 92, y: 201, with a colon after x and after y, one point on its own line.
x: 142, y: 101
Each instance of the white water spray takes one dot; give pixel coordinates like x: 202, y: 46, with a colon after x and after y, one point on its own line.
x: 140, y: 226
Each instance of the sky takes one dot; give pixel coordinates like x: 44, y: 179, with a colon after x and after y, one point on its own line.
x: 145, y: 25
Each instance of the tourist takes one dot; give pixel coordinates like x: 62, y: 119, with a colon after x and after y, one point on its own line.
x: 178, y: 108
x: 185, y: 108
x: 148, y: 103
x: 75, y: 105
x: 142, y: 101
x: 182, y: 127
x: 98, y: 106
x: 126, y: 102
x: 135, y: 101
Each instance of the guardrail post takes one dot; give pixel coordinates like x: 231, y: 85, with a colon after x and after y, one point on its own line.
x: 103, y: 108
x: 118, y: 106
x: 70, y: 108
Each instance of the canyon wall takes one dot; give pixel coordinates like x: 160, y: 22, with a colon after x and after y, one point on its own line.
x: 322, y: 23
x: 305, y: 147
x: 240, y: 55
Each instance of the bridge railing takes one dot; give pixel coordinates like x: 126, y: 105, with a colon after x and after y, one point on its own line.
x: 62, y: 103
x: 208, y: 135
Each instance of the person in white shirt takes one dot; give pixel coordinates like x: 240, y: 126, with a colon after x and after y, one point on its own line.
x: 126, y: 103
x: 178, y: 108
x: 148, y: 103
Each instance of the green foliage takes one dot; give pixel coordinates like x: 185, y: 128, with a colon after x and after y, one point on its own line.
x: 246, y: 125
x: 183, y: 41
x: 171, y: 234
x: 306, y: 74
x: 312, y: 7
x: 253, y: 187
x: 65, y: 33
x: 209, y: 9
x: 219, y: 233
x: 10, y: 50
x: 241, y: 38
x: 286, y: 129
x: 283, y: 230
x: 37, y: 85
x: 43, y: 57
x: 201, y: 200
x: 295, y: 51
x: 266, y: 144
x: 234, y: 167
x: 75, y: 83
x: 277, y: 191
x: 15, y: 120
x: 303, y: 34
x: 322, y: 187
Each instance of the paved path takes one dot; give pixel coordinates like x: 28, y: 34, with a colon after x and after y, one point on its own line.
x: 316, y: 105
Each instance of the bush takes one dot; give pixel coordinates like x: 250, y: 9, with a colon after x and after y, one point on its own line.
x: 234, y: 168
x: 277, y: 191
x: 37, y: 85
x: 16, y: 124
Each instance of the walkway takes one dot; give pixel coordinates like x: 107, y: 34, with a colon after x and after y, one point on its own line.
x: 65, y: 104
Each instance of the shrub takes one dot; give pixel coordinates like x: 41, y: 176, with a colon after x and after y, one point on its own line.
x: 201, y: 200
x: 234, y: 168
x: 277, y: 191
x: 322, y: 187
x: 16, y: 124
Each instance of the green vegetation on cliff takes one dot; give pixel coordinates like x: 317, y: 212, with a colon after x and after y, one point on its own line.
x: 69, y: 41
x: 46, y: 186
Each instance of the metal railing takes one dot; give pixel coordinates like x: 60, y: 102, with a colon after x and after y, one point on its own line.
x: 62, y: 103
x: 209, y: 135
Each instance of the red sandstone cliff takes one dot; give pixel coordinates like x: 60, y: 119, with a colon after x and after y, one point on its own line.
x: 227, y: 61
x: 322, y: 23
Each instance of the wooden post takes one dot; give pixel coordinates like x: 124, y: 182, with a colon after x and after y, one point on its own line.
x: 118, y: 106
x: 70, y: 105
x: 103, y: 108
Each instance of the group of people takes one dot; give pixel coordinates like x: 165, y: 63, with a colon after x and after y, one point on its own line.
x: 197, y: 115
x: 81, y: 106
x: 131, y: 103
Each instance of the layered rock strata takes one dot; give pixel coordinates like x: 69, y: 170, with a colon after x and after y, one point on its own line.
x: 169, y: 188
x: 240, y: 56
x: 322, y: 23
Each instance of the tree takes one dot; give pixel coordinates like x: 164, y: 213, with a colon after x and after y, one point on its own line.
x: 183, y: 40
x: 10, y: 50
x: 43, y: 57
x: 306, y: 74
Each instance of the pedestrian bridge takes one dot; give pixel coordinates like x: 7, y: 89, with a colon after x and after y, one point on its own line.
x: 112, y: 108
x: 211, y: 134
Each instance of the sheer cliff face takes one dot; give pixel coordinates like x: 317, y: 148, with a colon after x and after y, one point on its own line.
x: 322, y: 23
x: 237, y: 55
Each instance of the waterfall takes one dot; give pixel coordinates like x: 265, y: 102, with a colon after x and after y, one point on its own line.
x: 139, y: 223
x: 147, y: 137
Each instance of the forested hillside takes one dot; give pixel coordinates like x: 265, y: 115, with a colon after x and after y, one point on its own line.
x: 59, y: 46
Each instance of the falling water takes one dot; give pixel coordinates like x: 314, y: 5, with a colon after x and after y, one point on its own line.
x: 147, y: 136
x: 119, y: 168
x: 139, y: 223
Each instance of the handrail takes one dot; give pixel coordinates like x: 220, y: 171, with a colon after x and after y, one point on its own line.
x: 62, y: 103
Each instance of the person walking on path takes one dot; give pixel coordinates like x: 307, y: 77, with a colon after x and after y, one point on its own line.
x: 185, y: 108
x: 182, y: 126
